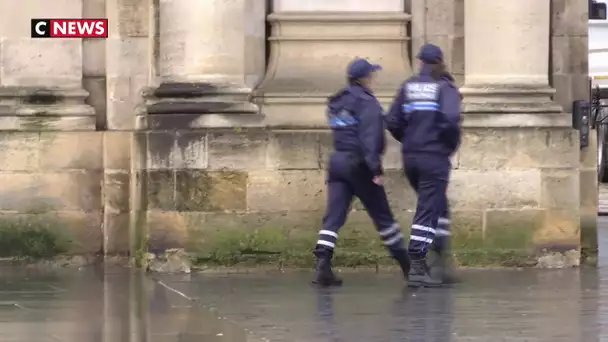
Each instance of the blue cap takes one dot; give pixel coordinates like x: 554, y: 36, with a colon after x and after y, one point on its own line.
x: 360, y: 68
x: 430, y: 54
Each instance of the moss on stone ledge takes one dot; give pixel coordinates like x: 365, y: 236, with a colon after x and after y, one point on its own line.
x: 273, y: 247
x: 495, y: 257
x: 286, y: 239
x: 29, y: 236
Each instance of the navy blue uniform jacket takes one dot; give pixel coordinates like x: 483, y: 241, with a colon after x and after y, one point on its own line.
x: 356, y: 119
x: 425, y: 115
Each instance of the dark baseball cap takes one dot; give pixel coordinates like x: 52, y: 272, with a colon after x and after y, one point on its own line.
x: 360, y: 68
x: 430, y: 54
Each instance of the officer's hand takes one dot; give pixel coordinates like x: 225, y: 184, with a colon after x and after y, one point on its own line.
x: 379, y: 180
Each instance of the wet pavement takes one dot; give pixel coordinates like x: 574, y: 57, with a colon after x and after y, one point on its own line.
x: 117, y: 305
x: 91, y: 305
x: 558, y: 305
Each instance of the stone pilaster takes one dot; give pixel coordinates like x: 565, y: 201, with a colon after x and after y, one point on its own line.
x: 507, y: 57
x: 311, y: 44
x: 41, y: 79
x: 129, y: 60
x: 571, y: 81
x: 507, y: 94
x: 210, y: 56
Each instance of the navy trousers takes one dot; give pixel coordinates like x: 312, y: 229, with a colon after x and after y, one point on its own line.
x: 444, y: 224
x: 428, y: 174
x: 348, y: 176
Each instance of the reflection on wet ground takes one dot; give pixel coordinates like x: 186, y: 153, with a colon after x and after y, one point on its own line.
x: 506, y: 305
x: 117, y: 305
x: 88, y: 305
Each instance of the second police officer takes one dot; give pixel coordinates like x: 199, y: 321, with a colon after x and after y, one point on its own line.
x: 355, y: 169
x: 443, y: 267
x: 425, y: 118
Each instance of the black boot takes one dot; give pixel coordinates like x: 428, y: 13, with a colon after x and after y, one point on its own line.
x: 419, y: 274
x: 444, y: 267
x: 401, y: 256
x: 324, y: 275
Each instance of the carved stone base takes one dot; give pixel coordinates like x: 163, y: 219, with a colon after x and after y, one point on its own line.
x: 196, y: 105
x: 529, y: 119
x: 509, y: 99
x: 198, y: 98
x: 301, y: 112
x: 309, y: 55
x: 35, y: 109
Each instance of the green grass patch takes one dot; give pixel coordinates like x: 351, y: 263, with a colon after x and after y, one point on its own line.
x: 29, y: 237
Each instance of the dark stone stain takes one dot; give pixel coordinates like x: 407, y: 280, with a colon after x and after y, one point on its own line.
x: 160, y: 145
x: 186, y: 139
x: 185, y: 90
x: 192, y: 191
x: 160, y: 190
x: 554, y: 248
x: 170, y: 94
x: 43, y: 97
x: 171, y: 122
x: 187, y: 107
x: 161, y: 238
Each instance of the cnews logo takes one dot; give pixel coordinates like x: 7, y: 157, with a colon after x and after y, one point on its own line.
x: 69, y: 28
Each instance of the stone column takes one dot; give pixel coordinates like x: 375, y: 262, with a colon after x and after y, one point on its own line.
x: 128, y: 56
x: 507, y: 57
x: 311, y: 44
x: 513, y: 127
x: 211, y: 56
x: 571, y: 81
x: 440, y: 22
x: 41, y: 79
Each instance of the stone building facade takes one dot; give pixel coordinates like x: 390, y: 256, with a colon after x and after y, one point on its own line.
x: 199, y: 124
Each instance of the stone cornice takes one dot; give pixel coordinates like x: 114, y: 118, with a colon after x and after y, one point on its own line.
x: 384, y: 17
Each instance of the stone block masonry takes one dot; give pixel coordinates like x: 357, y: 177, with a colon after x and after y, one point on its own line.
x: 52, y: 181
x: 199, y: 124
x: 258, y: 195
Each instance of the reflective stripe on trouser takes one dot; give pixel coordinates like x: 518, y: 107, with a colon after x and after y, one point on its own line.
x: 428, y: 175
x: 327, y: 238
x: 443, y: 227
x: 443, y: 223
x: 421, y: 237
x: 392, y: 237
x: 341, y: 188
x: 375, y: 201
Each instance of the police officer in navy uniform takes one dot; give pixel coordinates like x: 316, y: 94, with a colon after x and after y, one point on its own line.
x: 425, y: 118
x: 355, y: 169
x: 444, y: 267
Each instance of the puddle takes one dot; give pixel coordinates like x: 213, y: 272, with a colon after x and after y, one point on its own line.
x: 121, y: 305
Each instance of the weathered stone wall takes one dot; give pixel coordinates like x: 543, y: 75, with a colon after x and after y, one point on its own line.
x: 51, y: 160
x: 441, y: 22
x: 53, y: 181
x: 221, y: 193
x: 129, y: 55
x: 569, y: 36
x: 255, y: 194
